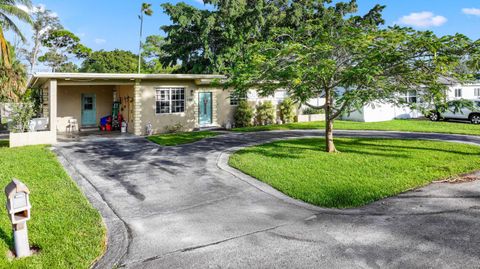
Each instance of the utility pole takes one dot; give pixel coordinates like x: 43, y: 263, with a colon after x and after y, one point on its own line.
x: 145, y: 10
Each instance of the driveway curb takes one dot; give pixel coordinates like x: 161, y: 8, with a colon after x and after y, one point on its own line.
x: 117, y: 235
x: 222, y: 163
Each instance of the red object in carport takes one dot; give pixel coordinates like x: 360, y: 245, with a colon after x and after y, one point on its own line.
x: 108, y: 127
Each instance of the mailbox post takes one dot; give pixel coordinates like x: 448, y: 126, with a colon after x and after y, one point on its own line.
x: 18, y: 208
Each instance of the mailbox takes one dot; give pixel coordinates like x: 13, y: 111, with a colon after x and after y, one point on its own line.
x: 18, y: 202
x: 18, y: 208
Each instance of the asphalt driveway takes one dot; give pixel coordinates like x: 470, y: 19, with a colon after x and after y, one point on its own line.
x: 177, y: 207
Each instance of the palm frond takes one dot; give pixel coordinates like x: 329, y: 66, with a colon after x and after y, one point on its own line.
x: 6, y: 22
x: 16, y: 12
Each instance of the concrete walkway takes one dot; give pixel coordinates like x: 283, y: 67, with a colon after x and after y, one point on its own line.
x: 175, y: 207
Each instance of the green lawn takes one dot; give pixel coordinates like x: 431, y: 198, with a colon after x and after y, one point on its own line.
x: 180, y: 138
x: 66, y: 228
x: 367, y: 169
x: 393, y: 125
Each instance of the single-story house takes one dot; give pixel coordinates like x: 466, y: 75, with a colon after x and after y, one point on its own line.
x: 188, y: 101
x: 161, y: 100
x: 378, y: 111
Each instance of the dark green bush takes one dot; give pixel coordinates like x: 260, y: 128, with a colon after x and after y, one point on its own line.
x: 243, y: 114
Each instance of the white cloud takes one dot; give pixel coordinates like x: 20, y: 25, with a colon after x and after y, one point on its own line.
x: 24, y: 8
x: 100, y: 41
x: 39, y: 7
x: 471, y: 11
x: 423, y: 19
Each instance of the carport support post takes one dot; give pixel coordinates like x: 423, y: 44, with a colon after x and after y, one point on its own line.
x: 137, y: 109
x: 52, y: 104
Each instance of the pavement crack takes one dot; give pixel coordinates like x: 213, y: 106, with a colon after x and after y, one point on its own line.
x: 183, y: 250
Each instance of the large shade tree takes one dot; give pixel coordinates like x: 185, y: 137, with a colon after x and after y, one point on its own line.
x: 350, y: 60
x: 63, y: 46
x: 10, y: 10
x: 44, y: 22
x: 153, y: 52
x: 115, y: 61
x: 208, y: 41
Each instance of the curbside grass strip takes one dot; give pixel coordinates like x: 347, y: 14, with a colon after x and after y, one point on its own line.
x: 118, y: 238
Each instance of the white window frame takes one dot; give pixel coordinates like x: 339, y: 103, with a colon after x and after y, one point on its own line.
x: 158, y: 91
x: 476, y: 92
x: 410, y: 94
x: 458, y: 93
x: 237, y: 99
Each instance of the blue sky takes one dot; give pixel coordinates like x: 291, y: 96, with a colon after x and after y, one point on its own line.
x: 108, y: 24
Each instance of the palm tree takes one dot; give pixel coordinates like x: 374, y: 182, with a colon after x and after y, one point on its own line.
x: 9, y: 9
x: 145, y: 10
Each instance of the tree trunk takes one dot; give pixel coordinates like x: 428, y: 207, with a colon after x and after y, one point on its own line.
x: 329, y: 144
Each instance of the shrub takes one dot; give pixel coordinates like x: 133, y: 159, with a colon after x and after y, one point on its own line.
x: 243, y: 114
x: 21, y: 115
x: 265, y: 113
x: 287, y: 110
x: 311, y: 111
x: 176, y: 128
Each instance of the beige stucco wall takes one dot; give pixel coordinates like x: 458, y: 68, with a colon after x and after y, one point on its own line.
x: 32, y: 138
x: 224, y: 109
x: 221, y: 109
x: 70, y: 103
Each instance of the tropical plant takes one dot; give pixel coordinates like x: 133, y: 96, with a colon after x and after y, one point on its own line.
x: 21, y: 115
x: 243, y: 114
x: 265, y: 113
x: 287, y: 110
x: 12, y: 79
x: 146, y: 9
x: 9, y: 9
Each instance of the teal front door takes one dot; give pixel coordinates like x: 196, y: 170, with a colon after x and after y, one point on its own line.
x: 89, y: 110
x: 205, y: 108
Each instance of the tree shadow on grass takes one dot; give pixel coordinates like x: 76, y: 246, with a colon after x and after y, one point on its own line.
x: 7, y: 238
x: 4, y: 144
x: 372, y: 147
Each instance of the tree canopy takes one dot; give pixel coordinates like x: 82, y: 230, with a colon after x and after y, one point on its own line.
x: 153, y: 54
x: 116, y: 61
x: 62, y: 46
x: 44, y: 21
x: 208, y: 41
x: 349, y: 60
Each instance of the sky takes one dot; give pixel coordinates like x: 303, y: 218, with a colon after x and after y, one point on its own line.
x: 112, y: 24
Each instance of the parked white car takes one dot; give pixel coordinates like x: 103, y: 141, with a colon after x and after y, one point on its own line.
x: 466, y: 114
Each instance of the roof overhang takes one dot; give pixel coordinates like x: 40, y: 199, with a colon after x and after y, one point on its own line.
x: 38, y: 79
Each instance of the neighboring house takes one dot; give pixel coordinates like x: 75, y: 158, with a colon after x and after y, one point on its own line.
x: 385, y: 111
